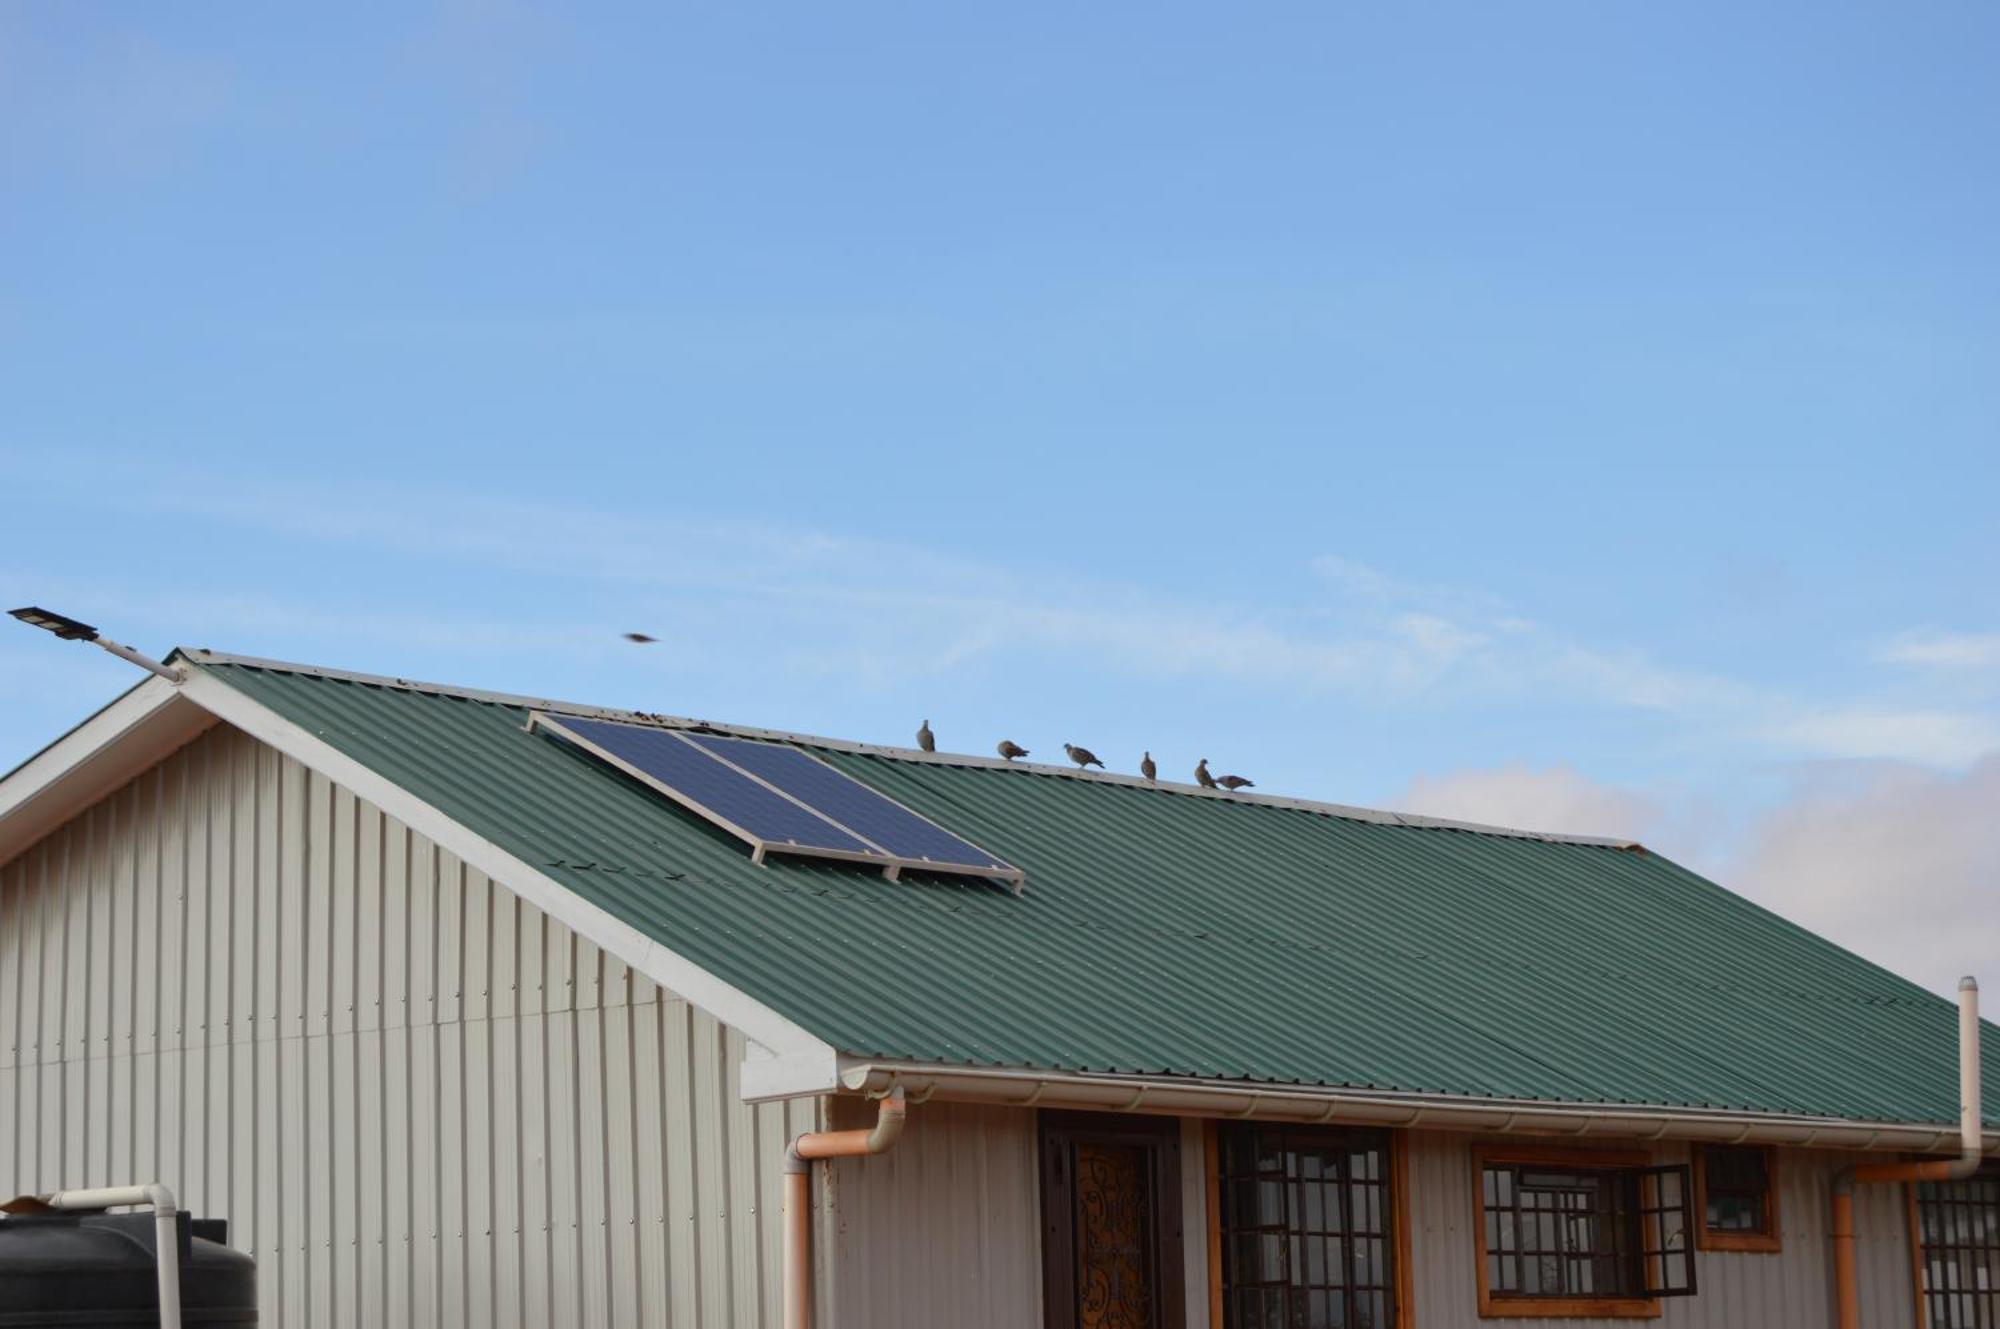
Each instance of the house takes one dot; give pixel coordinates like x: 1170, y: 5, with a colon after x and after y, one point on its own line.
x: 460, y: 1017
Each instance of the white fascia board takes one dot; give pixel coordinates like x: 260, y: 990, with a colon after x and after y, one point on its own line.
x: 808, y: 1064
x: 131, y: 734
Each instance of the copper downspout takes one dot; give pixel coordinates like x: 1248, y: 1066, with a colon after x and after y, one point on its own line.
x: 1847, y: 1300
x: 798, y: 1196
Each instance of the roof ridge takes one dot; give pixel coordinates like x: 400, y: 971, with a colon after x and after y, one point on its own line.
x: 1344, y: 811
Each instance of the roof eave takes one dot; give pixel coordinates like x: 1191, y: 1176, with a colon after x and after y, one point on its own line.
x: 1027, y: 1087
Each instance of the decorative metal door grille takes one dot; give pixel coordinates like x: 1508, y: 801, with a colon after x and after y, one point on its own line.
x: 1959, y: 1225
x: 1111, y: 1222
x: 1114, y: 1239
x: 1306, y: 1227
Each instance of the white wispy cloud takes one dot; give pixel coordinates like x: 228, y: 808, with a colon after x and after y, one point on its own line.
x: 1555, y: 799
x: 1932, y: 737
x: 194, y: 613
x: 879, y: 610
x: 1944, y: 650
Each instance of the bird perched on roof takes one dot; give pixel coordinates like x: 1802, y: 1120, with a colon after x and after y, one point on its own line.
x: 1235, y: 782
x: 640, y: 637
x: 1201, y: 775
x: 1010, y: 749
x: 1082, y: 756
x: 1147, y: 768
x: 925, y: 738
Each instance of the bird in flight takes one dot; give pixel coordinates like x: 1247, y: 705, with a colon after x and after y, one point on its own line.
x: 1010, y: 749
x: 1147, y: 768
x: 1235, y: 782
x: 641, y: 638
x: 1082, y: 756
x: 1201, y: 775
x: 925, y: 738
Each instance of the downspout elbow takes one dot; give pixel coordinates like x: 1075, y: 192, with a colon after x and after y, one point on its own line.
x: 889, y: 1117
x: 799, y: 1156
x: 888, y: 1122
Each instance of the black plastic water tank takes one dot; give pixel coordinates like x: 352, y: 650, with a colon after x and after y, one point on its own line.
x: 92, y: 1269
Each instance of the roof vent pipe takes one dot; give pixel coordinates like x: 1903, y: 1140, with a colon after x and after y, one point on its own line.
x: 1970, y: 1124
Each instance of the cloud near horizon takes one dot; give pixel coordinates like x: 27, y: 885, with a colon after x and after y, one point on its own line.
x: 1892, y: 861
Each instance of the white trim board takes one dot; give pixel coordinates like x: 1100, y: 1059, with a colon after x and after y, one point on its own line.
x: 134, y: 732
x: 787, y: 1060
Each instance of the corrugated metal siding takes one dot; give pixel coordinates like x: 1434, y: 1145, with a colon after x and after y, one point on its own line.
x: 417, y: 1100
x: 944, y: 1229
x: 1789, y: 1290
x: 1174, y: 934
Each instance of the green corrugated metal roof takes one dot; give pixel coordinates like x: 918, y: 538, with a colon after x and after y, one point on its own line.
x: 1169, y: 933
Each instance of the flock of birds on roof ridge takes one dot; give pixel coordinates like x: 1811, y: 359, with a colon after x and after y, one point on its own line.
x: 1085, y: 758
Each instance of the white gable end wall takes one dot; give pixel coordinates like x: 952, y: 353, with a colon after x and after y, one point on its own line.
x: 416, y: 1098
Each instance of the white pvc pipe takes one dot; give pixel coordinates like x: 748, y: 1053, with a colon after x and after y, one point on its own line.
x: 1970, y: 1125
x: 146, y: 662
x: 166, y: 1232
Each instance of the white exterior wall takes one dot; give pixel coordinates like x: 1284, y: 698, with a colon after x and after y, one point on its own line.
x: 417, y: 1100
x: 944, y: 1229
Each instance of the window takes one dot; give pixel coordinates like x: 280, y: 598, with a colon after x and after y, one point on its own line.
x: 1308, y: 1236
x: 1581, y: 1233
x: 1958, y: 1225
x: 1736, y: 1190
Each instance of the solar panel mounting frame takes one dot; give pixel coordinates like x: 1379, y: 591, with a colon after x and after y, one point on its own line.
x: 892, y: 865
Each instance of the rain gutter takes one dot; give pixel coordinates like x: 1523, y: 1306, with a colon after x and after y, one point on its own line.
x: 1183, y: 1096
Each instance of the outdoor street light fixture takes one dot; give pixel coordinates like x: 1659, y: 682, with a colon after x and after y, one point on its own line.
x: 69, y: 629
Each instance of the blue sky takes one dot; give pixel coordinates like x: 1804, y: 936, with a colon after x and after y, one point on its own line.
x: 1574, y: 414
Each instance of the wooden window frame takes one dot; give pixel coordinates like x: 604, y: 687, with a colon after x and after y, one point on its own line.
x: 1502, y: 1306
x: 1402, y: 1284
x: 1768, y: 1240
x: 1918, y: 1262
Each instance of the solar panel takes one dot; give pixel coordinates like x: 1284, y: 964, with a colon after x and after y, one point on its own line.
x: 693, y: 778
x: 873, y: 816
x: 778, y: 798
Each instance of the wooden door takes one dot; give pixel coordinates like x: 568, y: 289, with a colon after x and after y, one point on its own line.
x: 1111, y: 1222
